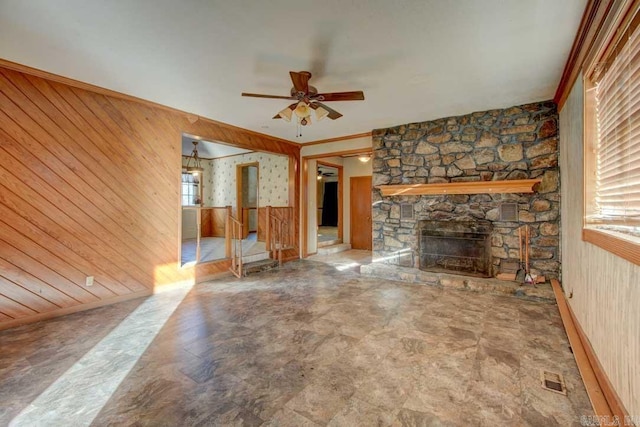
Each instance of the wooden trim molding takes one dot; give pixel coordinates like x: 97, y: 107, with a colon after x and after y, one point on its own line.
x: 597, y: 34
x: 345, y: 153
x: 609, y: 241
x: 605, y: 401
x: 476, y: 187
x: 593, y: 18
x: 338, y: 138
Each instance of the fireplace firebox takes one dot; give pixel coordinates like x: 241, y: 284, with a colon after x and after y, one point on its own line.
x: 456, y: 247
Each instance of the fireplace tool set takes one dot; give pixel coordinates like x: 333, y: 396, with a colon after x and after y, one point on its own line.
x: 523, y: 275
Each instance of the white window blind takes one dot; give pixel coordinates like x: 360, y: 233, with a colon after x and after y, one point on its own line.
x: 617, y: 97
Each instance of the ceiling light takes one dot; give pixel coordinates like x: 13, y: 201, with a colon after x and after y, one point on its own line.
x: 319, y: 177
x: 303, y: 111
x: 364, y: 158
x: 196, y: 168
x: 321, y: 113
x: 286, y: 114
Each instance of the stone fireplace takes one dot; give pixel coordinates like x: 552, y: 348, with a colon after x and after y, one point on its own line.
x: 509, y: 144
x: 455, y: 247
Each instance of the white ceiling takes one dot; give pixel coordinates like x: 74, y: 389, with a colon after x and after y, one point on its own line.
x: 415, y: 60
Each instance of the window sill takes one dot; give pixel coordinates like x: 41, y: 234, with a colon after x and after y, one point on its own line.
x: 620, y: 245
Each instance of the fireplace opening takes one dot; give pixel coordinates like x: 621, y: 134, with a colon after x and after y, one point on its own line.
x: 455, y: 247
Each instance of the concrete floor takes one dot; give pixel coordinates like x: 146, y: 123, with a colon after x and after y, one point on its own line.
x: 311, y: 344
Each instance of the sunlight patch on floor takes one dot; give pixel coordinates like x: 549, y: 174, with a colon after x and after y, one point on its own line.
x: 79, y: 395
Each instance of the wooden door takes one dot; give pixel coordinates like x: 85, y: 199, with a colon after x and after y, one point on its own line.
x: 360, y: 204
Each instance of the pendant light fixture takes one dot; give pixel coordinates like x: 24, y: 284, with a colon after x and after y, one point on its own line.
x: 196, y: 167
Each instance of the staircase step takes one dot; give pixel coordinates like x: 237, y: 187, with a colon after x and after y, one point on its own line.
x: 334, y: 249
x: 255, y: 257
x: 259, y: 266
x: 329, y: 243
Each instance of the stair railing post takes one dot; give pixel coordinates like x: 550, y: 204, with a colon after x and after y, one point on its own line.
x: 268, y: 231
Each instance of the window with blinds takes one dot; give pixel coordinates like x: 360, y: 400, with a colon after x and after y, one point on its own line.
x: 615, y: 133
x: 190, y: 189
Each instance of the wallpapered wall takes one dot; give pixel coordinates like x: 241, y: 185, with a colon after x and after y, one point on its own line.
x: 220, y: 179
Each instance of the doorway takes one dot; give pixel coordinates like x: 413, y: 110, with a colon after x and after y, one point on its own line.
x: 329, y: 204
x: 360, y: 217
x: 247, y: 181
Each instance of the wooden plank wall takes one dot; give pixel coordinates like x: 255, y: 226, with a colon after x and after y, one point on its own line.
x: 89, y: 186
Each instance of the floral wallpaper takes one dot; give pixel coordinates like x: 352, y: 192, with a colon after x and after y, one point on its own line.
x: 220, y: 179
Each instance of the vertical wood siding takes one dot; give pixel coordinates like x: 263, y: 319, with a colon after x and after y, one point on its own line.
x: 90, y: 186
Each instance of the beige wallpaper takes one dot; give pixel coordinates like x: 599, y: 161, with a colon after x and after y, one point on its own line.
x: 220, y: 181
x: 606, y: 288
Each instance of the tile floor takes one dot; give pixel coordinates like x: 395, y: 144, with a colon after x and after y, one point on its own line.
x: 327, y: 234
x: 311, y: 344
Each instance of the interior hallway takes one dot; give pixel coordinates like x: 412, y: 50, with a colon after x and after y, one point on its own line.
x: 310, y: 344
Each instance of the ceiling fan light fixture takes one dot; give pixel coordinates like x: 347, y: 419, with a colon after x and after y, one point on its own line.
x: 321, y: 113
x: 302, y: 110
x: 286, y: 114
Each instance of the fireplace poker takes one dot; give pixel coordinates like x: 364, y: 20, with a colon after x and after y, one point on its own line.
x: 520, y: 274
x: 527, y: 277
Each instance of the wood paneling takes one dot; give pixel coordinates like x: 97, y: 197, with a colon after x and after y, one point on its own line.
x: 601, y: 287
x: 90, y: 186
x: 213, y: 222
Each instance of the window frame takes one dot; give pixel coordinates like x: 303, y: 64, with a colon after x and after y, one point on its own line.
x: 197, y: 184
x: 606, y: 48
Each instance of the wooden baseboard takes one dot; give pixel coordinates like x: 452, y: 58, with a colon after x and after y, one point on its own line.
x: 604, y: 399
x: 74, y: 309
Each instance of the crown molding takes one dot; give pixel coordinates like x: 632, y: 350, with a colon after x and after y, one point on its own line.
x: 339, y: 138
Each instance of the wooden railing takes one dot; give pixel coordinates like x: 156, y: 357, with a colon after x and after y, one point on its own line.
x: 234, y: 245
x: 280, y: 232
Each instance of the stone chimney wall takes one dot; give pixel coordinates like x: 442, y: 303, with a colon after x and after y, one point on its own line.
x: 513, y: 143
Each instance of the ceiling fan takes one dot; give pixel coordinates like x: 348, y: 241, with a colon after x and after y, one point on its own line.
x: 307, y: 99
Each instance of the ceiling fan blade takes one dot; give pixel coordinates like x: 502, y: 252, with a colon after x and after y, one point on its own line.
x: 333, y: 114
x: 300, y: 80
x: 257, y: 95
x: 341, y: 96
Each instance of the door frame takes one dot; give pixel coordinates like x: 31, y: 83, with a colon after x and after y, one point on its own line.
x: 239, y: 167
x: 304, y: 221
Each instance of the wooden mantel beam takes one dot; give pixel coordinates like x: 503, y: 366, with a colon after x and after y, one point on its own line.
x: 475, y: 187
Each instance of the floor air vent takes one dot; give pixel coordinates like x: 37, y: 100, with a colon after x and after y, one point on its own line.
x: 553, y: 382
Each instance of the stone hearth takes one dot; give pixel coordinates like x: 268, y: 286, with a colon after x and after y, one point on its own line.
x: 514, y: 143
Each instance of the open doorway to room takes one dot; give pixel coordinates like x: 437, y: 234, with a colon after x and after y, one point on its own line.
x: 247, y: 183
x: 316, y: 170
x: 329, y: 204
x: 220, y: 181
